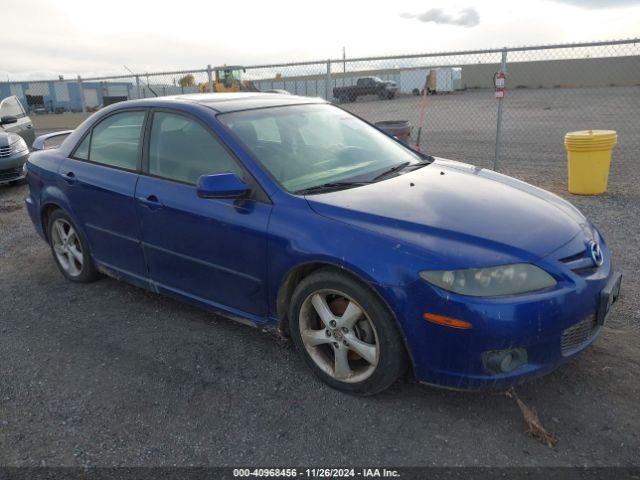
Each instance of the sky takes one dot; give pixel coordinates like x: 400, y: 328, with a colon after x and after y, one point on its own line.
x: 44, y: 39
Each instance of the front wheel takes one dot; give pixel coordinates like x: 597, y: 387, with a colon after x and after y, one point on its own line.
x: 346, y: 334
x: 69, y: 249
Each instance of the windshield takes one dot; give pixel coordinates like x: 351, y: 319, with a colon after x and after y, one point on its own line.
x: 228, y: 77
x: 306, y: 146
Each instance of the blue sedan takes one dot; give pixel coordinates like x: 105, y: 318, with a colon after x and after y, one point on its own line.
x: 290, y: 214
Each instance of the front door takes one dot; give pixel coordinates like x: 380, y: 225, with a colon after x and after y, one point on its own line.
x: 100, y: 180
x: 212, y: 250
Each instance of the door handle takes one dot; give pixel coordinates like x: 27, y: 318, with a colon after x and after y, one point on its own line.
x: 69, y: 177
x: 150, y: 201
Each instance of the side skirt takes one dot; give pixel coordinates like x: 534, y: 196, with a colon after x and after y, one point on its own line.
x: 268, y: 323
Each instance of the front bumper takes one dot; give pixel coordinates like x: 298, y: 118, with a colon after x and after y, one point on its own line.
x: 551, y: 326
x: 11, y: 168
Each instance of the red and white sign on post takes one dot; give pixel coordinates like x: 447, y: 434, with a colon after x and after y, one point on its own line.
x: 498, y: 81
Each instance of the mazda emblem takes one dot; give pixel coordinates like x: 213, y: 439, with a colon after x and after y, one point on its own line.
x: 596, y: 253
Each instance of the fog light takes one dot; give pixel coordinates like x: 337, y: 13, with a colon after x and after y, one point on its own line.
x: 504, y: 361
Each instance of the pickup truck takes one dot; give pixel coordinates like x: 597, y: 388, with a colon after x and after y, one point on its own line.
x: 366, y: 86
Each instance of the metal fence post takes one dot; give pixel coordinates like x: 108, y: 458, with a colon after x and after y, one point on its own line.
x: 503, y: 69
x: 83, y: 105
x: 210, y: 78
x: 138, y: 85
x: 327, y: 82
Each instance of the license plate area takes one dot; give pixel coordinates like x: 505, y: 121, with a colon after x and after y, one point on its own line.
x: 608, y: 297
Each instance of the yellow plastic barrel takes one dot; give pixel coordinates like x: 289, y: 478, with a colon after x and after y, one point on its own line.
x: 589, y: 159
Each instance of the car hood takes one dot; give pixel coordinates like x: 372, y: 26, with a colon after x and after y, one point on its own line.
x: 460, y: 205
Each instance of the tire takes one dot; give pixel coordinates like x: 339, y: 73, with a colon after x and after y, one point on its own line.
x: 69, y: 249
x: 369, y: 341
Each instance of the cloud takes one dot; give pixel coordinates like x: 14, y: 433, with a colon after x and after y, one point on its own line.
x: 601, y: 4
x: 468, y: 17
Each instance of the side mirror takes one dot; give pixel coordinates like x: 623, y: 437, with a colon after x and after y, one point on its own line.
x: 222, y: 185
x: 7, y: 119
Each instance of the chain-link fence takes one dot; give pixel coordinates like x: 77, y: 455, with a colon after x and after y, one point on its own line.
x: 447, y: 98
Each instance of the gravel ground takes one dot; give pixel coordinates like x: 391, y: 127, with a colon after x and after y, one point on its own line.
x: 109, y: 374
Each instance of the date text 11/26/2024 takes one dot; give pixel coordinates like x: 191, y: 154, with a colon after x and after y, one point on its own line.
x: 316, y: 472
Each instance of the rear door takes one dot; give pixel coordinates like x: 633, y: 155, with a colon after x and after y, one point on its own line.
x: 24, y: 127
x: 100, y: 180
x: 211, y: 250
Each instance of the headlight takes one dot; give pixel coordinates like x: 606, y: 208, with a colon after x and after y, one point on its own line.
x: 17, y: 144
x: 491, y: 281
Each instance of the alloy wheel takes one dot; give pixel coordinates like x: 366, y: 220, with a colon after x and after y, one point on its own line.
x: 339, y: 336
x: 67, y: 247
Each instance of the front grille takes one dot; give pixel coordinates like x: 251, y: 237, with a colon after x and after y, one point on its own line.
x: 12, y: 174
x: 577, y: 335
x: 581, y: 263
x: 5, y: 151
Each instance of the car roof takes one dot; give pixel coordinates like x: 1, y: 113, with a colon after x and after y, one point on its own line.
x: 231, y: 102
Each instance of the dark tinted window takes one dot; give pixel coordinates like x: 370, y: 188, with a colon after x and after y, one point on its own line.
x: 11, y: 106
x: 116, y: 139
x: 181, y: 149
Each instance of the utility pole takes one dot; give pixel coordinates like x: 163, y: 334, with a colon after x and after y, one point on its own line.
x: 344, y: 66
x: 344, y: 60
x: 503, y: 70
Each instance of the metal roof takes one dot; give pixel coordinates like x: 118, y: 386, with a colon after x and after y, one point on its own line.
x: 231, y: 102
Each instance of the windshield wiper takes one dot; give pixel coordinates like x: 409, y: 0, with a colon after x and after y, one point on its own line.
x: 328, y: 187
x: 420, y: 164
x: 393, y: 169
x: 402, y: 166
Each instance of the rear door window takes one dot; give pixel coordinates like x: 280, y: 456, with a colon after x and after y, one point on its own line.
x: 115, y: 141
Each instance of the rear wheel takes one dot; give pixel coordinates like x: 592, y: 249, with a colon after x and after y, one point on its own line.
x: 69, y: 249
x: 346, y: 334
